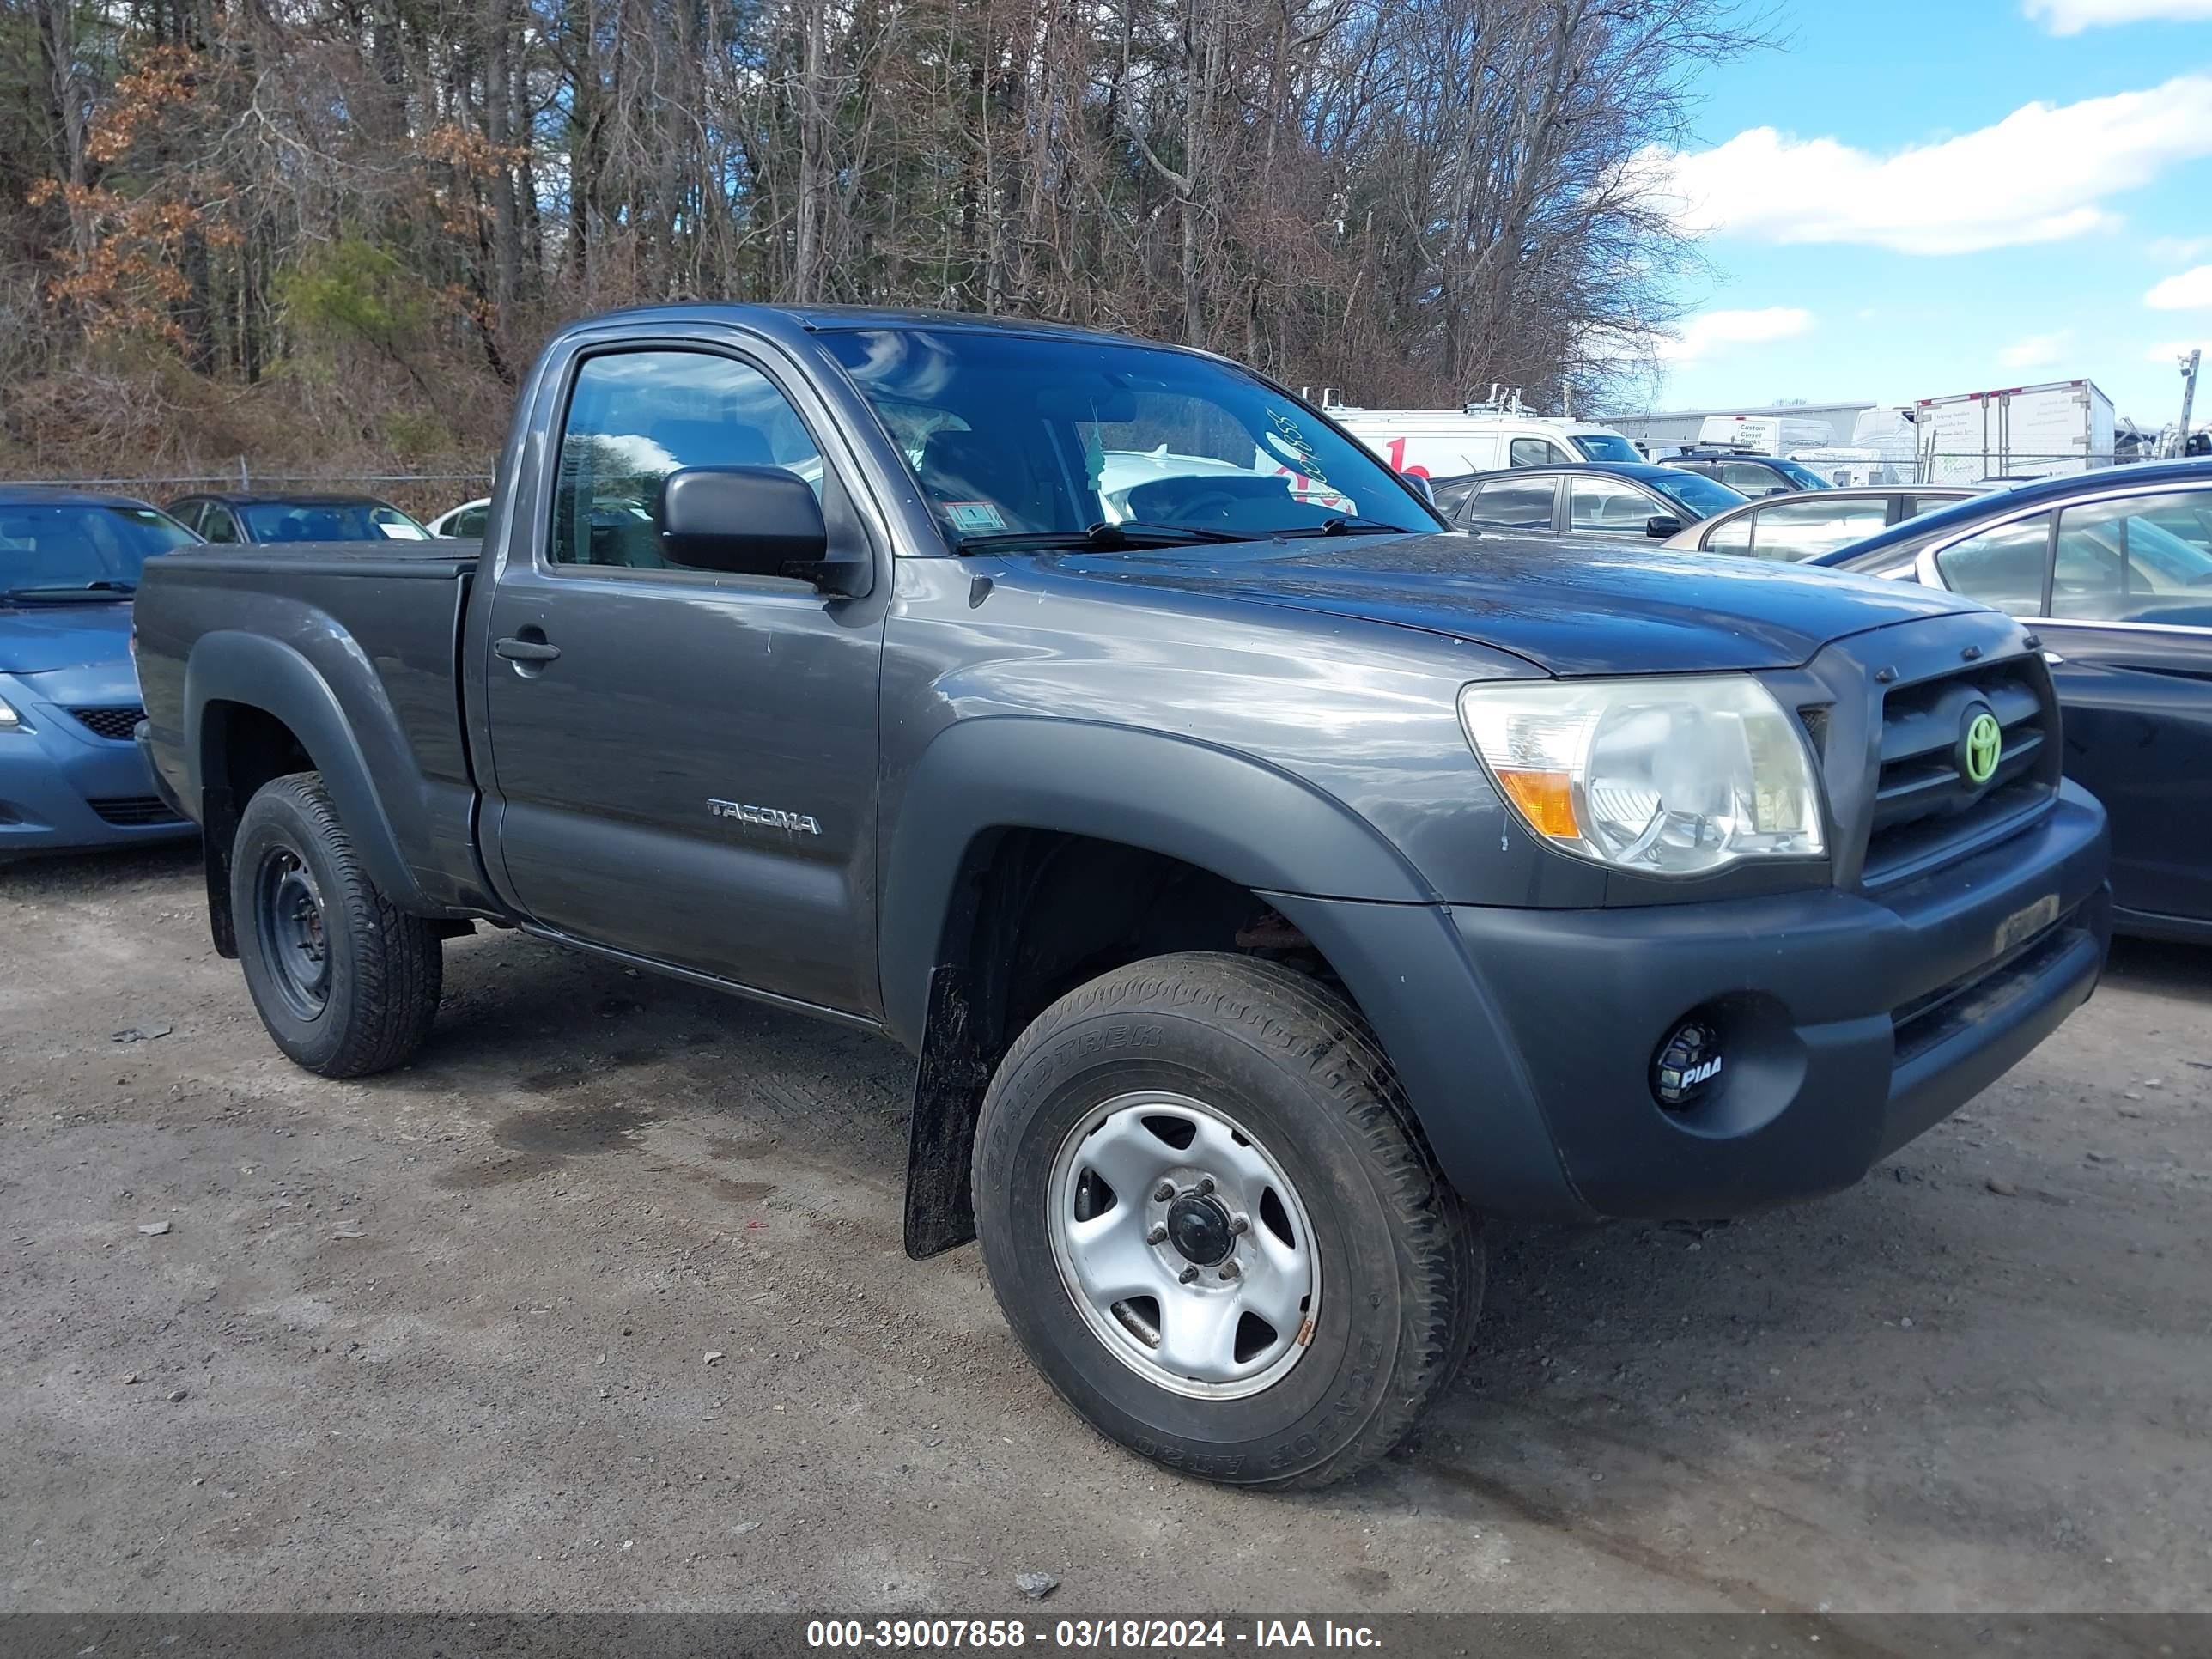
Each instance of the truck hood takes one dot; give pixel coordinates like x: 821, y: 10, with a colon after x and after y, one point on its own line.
x: 1568, y: 606
x: 38, y: 639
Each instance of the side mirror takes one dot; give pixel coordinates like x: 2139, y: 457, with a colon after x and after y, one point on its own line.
x: 1661, y: 525
x: 1421, y: 485
x: 747, y: 521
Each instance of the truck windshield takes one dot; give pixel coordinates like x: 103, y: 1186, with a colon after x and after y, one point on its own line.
x: 330, y: 521
x: 1016, y: 435
x: 1605, y: 446
x: 52, y: 554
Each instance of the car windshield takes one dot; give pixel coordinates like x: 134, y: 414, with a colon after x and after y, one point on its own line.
x: 1605, y: 446
x: 51, y: 553
x: 1019, y: 437
x: 1803, y: 477
x: 1695, y: 494
x: 330, y: 521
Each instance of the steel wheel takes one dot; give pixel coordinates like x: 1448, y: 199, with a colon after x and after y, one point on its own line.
x: 289, y: 917
x: 1185, y: 1248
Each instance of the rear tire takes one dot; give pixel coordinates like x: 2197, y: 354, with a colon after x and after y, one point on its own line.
x: 1209, y: 1217
x: 346, y: 985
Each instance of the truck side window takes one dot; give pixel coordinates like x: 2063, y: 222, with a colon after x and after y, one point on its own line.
x: 217, y: 524
x: 2004, y: 566
x: 635, y: 417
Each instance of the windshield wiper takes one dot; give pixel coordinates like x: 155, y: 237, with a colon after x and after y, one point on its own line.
x: 59, y: 593
x: 1104, y: 537
x: 1346, y: 524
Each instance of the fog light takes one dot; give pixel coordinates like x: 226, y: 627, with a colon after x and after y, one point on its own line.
x: 1688, y: 1066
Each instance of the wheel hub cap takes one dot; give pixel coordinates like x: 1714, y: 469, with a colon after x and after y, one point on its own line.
x: 1183, y: 1245
x: 1199, y: 1228
x: 293, y: 932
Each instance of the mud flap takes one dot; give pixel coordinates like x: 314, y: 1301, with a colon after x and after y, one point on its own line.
x: 218, y: 833
x: 948, y: 1098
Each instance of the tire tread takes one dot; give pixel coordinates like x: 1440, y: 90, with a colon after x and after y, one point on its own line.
x: 399, y: 964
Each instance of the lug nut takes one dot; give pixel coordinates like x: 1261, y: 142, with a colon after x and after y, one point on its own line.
x: 1239, y: 1225
x: 1157, y: 1235
x: 1204, y: 1185
x: 1164, y: 1192
x: 1229, y: 1270
x: 1186, y: 1275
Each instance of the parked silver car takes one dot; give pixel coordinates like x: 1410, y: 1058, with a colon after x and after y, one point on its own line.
x: 1809, y: 523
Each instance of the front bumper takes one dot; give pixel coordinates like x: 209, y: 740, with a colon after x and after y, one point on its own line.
x: 1849, y: 1024
x: 61, y: 787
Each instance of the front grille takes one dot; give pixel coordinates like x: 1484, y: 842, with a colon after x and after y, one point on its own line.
x: 1925, y: 810
x: 125, y: 811
x: 113, y: 723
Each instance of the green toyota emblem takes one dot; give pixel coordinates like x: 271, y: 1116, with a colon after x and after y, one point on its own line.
x: 1984, y: 746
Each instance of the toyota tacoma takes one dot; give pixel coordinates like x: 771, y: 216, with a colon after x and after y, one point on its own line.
x: 1270, y: 884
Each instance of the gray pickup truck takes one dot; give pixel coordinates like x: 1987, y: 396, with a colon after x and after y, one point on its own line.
x: 1270, y: 885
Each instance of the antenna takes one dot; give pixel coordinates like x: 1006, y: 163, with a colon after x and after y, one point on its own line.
x: 2189, y: 368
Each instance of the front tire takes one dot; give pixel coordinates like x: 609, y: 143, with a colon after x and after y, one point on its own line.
x: 346, y: 985
x: 1211, y: 1219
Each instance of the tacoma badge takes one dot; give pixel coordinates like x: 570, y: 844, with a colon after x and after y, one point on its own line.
x: 767, y: 817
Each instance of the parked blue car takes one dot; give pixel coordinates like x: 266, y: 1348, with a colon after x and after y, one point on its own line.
x: 69, y: 774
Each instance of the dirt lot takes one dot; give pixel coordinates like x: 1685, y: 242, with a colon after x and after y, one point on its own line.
x: 440, y: 1340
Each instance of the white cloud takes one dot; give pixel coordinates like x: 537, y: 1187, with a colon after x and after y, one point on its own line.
x: 2175, y: 250
x: 1716, y: 330
x: 2169, y: 355
x: 2042, y: 174
x: 2037, y: 350
x: 2190, y: 291
x: 2072, y: 16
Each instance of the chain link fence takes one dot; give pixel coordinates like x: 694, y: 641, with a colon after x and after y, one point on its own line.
x: 1847, y: 466
x: 424, y: 495
x: 1979, y: 466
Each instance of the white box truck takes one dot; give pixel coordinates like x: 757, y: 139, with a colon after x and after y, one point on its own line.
x: 2018, y: 432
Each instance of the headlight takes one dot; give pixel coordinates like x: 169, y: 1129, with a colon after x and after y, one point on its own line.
x: 9, y: 720
x: 1663, y: 776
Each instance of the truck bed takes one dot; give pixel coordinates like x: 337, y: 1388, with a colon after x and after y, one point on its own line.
x: 378, y: 625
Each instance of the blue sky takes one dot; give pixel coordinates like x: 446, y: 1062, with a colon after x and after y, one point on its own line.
x: 1909, y: 200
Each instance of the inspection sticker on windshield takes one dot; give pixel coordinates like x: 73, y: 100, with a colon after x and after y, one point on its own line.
x: 973, y: 515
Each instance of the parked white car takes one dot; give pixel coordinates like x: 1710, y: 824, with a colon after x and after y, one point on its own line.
x: 465, y: 521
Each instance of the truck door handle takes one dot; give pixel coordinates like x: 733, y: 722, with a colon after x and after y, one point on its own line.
x: 526, y: 650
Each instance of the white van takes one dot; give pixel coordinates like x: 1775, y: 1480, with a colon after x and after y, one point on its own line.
x: 1442, y: 443
x: 1764, y: 434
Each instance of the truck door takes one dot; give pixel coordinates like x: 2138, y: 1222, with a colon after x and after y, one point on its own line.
x: 683, y: 763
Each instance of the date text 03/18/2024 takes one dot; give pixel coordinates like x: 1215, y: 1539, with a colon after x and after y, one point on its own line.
x: 1117, y: 1634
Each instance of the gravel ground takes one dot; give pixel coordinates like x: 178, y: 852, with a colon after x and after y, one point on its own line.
x: 600, y: 1305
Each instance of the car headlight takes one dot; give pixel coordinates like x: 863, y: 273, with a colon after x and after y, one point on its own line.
x: 1661, y: 776
x: 9, y: 720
